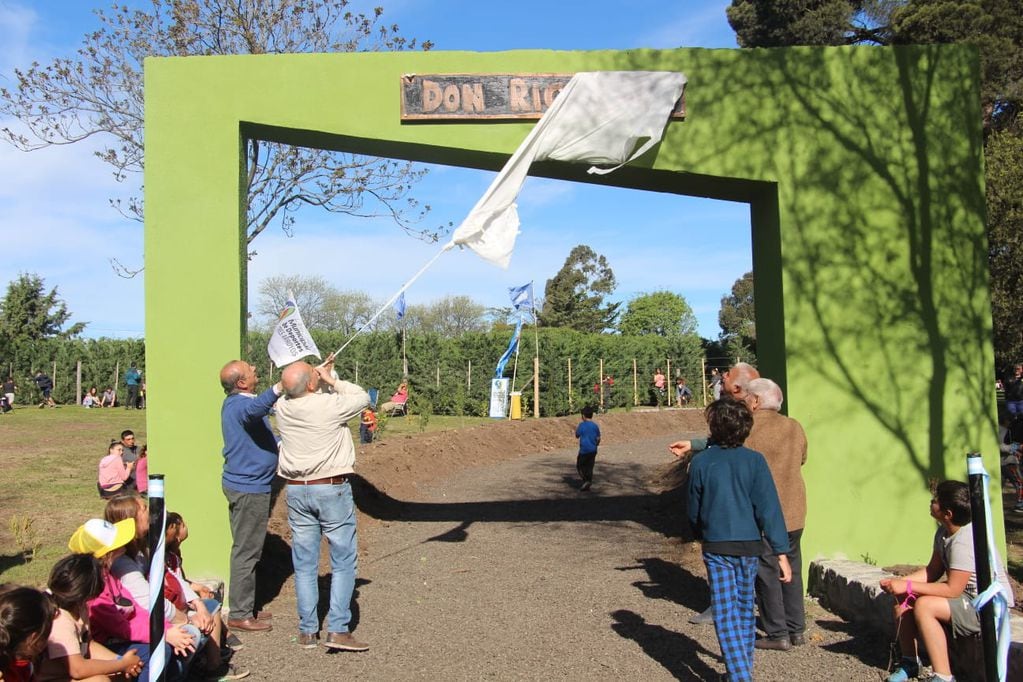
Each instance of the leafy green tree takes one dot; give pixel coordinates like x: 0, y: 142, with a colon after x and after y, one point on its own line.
x: 1005, y: 243
x: 98, y: 93
x: 575, y: 296
x: 28, y: 314
x: 776, y: 23
x: 737, y: 318
x: 449, y: 317
x: 662, y: 313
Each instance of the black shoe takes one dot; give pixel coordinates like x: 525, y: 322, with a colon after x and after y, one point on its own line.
x: 797, y: 639
x: 585, y: 486
x: 775, y: 644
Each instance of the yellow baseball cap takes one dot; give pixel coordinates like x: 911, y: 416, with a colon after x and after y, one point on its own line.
x: 98, y: 537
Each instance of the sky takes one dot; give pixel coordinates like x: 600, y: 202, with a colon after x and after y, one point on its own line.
x: 56, y: 219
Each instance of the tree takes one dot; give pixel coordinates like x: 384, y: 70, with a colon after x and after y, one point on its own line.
x: 1005, y: 243
x: 737, y: 318
x: 98, y: 93
x: 312, y: 295
x: 776, y: 23
x: 574, y: 297
x: 29, y: 314
x: 662, y: 313
x: 449, y: 317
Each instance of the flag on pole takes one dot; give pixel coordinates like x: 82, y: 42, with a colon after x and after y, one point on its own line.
x: 512, y: 345
x: 399, y: 307
x: 290, y: 340
x: 522, y: 297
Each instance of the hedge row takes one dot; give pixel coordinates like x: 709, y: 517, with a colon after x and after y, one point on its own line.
x: 449, y: 376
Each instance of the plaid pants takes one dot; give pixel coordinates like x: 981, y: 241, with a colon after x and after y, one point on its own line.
x: 731, y: 596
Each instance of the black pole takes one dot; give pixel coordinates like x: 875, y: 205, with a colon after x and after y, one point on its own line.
x: 156, y: 539
x: 975, y: 469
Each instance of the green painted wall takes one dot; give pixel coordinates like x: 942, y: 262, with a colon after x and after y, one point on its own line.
x: 863, y: 169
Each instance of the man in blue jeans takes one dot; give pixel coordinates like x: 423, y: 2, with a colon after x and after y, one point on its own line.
x: 317, y: 459
x: 250, y: 462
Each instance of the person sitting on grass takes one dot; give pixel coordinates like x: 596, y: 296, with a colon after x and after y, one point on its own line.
x: 109, y: 398
x: 926, y: 603
x: 91, y: 398
x: 71, y: 654
x: 113, y: 471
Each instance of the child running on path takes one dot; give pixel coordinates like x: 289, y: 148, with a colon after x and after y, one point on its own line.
x: 588, y: 434
x: 732, y: 505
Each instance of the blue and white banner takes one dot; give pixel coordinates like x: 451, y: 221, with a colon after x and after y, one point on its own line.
x: 399, y: 307
x: 522, y: 297
x: 512, y: 345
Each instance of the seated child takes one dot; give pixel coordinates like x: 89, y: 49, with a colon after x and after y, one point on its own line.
x: 91, y: 398
x: 26, y: 617
x: 71, y: 654
x: 927, y: 603
x: 108, y: 399
x: 196, y: 600
x: 733, y: 508
x: 142, y: 471
x: 113, y: 471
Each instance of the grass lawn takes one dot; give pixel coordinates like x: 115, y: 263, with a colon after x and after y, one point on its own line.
x: 49, y: 459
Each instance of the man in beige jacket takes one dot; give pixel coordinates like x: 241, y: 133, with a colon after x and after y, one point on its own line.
x: 782, y: 442
x: 317, y: 457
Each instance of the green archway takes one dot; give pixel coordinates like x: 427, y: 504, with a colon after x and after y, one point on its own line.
x: 863, y: 170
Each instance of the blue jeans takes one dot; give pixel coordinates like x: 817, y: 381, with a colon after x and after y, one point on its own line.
x: 315, y: 511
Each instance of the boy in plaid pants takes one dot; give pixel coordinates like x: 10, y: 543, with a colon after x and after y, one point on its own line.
x: 733, y: 506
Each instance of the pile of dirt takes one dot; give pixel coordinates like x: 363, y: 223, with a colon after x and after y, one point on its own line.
x: 392, y: 471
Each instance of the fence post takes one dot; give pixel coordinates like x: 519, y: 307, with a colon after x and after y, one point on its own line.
x: 117, y: 373
x: 703, y: 374
x: 536, y: 387
x: 570, y: 384
x: 600, y: 384
x: 635, y: 384
x: 356, y: 371
x: 468, y: 377
x: 438, y: 375
x: 667, y: 383
x: 78, y: 383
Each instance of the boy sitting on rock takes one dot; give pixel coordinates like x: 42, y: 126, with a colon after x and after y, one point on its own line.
x: 927, y: 603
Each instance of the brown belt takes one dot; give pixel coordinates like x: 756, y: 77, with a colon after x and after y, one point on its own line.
x: 331, y: 480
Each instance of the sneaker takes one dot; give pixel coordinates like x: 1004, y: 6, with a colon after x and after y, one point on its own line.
x: 227, y: 672
x: 704, y: 617
x: 1018, y: 507
x: 232, y: 642
x: 344, y: 641
x: 935, y: 678
x: 585, y: 486
x: 307, y: 640
x: 906, y: 670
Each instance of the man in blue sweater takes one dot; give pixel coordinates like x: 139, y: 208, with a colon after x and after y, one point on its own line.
x: 733, y: 506
x: 250, y: 463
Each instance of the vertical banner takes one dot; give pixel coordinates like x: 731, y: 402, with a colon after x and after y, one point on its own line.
x: 499, y: 398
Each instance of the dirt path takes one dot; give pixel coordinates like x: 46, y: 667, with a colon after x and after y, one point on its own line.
x: 506, y: 571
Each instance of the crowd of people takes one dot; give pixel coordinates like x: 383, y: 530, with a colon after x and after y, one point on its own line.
x: 135, y: 389
x: 746, y: 502
x: 92, y: 622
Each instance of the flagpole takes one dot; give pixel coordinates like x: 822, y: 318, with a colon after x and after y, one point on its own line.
x: 536, y: 358
x: 515, y: 366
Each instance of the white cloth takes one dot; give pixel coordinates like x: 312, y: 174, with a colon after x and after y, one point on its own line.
x: 601, y: 117
x: 290, y: 341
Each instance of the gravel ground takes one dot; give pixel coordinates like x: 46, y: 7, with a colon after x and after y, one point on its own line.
x: 507, y: 571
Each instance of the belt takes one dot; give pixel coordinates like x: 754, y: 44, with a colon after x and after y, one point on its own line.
x: 330, y: 480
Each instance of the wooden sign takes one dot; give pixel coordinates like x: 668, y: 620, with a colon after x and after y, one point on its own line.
x: 454, y: 97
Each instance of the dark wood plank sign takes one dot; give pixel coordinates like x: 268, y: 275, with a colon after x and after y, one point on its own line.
x: 456, y: 96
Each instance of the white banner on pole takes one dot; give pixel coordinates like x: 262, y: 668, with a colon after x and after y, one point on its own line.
x: 499, y: 398
x: 290, y: 340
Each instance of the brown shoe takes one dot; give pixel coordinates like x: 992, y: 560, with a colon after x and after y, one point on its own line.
x: 344, y: 641
x: 307, y: 640
x: 264, y: 615
x: 250, y: 625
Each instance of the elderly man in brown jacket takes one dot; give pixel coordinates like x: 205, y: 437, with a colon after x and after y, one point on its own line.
x: 782, y: 441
